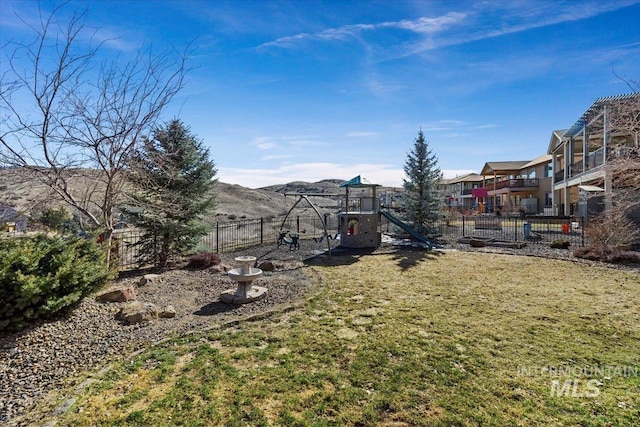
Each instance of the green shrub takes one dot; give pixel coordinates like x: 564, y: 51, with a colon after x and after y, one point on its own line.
x: 41, y: 275
x: 55, y: 218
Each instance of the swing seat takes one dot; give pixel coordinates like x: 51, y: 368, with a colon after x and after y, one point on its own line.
x: 292, y: 240
x: 282, y: 236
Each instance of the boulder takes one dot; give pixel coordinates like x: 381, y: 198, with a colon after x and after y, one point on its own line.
x: 119, y: 294
x: 168, y: 312
x: 137, y: 312
x: 220, y: 268
x: 560, y: 244
x: 150, y: 279
x: 476, y: 243
x: 267, y: 266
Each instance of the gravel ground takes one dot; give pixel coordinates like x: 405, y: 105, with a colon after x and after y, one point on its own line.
x: 52, y: 355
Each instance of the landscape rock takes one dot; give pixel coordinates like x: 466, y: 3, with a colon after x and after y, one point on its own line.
x: 267, y: 266
x: 119, y: 294
x: 150, y: 279
x: 221, y: 268
x: 138, y: 312
x: 168, y: 312
x: 560, y: 244
x: 476, y: 243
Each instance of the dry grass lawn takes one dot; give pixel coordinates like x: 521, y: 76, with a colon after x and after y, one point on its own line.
x: 408, y: 338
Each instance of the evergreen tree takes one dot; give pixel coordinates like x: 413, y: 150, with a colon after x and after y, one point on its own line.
x: 422, y: 200
x: 174, y: 181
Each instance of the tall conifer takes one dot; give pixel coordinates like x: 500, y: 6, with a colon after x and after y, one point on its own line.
x: 422, y: 200
x: 173, y: 179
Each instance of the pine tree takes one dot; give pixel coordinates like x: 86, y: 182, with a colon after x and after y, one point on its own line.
x: 422, y: 200
x: 174, y: 182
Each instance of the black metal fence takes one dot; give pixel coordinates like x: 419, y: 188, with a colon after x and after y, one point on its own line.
x: 533, y: 230
x: 233, y: 235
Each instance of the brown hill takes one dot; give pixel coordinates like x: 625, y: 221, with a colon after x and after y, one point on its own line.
x: 326, y: 186
x: 27, y: 195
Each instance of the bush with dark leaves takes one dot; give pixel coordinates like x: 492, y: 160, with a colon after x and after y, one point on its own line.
x: 203, y: 260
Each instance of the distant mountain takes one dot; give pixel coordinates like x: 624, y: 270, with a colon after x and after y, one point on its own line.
x: 23, y: 193
x: 234, y: 202
x: 326, y: 186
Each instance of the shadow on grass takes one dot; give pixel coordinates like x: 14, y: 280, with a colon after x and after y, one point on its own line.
x: 340, y: 256
x: 408, y: 257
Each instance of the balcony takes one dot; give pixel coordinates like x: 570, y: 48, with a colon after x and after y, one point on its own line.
x: 515, y: 184
x: 593, y: 160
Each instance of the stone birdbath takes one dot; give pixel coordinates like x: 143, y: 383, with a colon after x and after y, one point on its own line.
x: 245, y: 275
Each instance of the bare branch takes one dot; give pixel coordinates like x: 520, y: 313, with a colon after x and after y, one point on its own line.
x: 82, y: 113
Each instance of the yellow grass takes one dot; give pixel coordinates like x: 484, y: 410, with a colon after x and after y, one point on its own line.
x: 407, y: 338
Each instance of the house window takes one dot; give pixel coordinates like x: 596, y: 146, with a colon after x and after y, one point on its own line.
x: 548, y: 200
x: 548, y: 170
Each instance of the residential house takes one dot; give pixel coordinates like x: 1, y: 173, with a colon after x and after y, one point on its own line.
x: 11, y: 218
x: 458, y: 191
x: 512, y: 186
x: 609, y: 129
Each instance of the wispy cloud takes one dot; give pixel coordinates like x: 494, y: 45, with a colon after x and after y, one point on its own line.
x: 383, y: 174
x: 23, y: 17
x: 276, y: 157
x: 361, y: 134
x: 264, y: 142
x: 442, y: 125
x: 489, y: 19
x: 455, y: 128
x: 495, y: 19
x: 306, y: 143
x: 490, y: 126
x: 422, y: 25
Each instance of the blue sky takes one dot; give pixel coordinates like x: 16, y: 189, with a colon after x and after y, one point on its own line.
x: 307, y: 90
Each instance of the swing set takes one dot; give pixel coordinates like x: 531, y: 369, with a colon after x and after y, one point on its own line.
x: 292, y: 240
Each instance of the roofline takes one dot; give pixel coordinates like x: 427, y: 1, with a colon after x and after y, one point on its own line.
x: 579, y: 124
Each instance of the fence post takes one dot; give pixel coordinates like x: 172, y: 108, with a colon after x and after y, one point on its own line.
x: 261, y: 231
x: 582, y: 230
x: 463, y: 233
x: 516, y: 229
x: 298, y: 224
x: 217, y: 237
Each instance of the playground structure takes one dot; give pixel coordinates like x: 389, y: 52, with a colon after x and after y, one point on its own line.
x: 359, y: 217
x: 412, y: 232
x: 292, y: 240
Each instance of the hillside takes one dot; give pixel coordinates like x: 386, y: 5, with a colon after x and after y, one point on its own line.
x: 326, y: 186
x: 20, y: 191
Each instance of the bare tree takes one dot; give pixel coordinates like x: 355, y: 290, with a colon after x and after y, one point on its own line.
x: 618, y: 226
x: 67, y: 116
